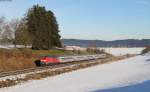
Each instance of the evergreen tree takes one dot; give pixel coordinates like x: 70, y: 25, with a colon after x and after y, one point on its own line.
x: 43, y: 27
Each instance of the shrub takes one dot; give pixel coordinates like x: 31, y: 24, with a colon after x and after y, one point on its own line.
x: 147, y: 49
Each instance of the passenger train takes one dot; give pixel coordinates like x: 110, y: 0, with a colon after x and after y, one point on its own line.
x: 49, y: 60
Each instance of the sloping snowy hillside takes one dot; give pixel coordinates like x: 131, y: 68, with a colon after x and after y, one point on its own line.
x: 123, y: 76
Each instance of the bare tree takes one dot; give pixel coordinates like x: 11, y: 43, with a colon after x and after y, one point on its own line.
x: 2, y: 23
x: 7, y: 34
x: 14, y: 24
x: 2, y: 20
x: 7, y: 30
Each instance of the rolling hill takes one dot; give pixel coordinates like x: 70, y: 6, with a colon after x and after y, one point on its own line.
x: 102, y: 43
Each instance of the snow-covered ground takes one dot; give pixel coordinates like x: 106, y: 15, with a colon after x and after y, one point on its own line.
x: 5, y: 47
x: 123, y: 51
x: 13, y: 46
x: 129, y: 75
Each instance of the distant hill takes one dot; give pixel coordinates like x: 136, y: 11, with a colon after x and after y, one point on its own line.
x: 101, y: 43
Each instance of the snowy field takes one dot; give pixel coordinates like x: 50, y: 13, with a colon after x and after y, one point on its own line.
x: 129, y: 75
x: 123, y: 51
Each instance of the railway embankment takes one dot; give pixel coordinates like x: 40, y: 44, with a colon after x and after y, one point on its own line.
x: 43, y: 72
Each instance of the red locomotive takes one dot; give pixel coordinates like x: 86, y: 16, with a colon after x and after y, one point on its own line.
x: 47, y: 60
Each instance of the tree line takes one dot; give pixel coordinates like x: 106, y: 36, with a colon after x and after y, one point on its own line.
x: 39, y: 28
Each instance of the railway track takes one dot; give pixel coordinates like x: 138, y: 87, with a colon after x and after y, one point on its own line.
x: 11, y: 73
x: 37, y: 69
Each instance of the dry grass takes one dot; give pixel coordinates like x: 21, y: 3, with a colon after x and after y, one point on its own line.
x: 16, y: 59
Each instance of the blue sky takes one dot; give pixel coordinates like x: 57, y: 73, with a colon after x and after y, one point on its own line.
x: 91, y: 19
